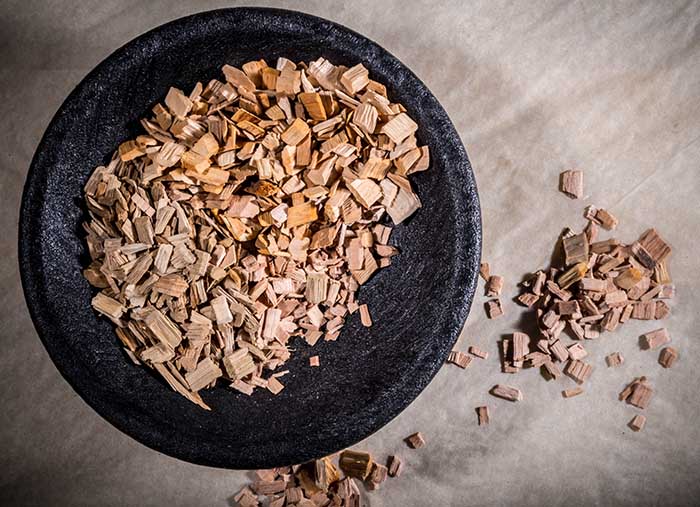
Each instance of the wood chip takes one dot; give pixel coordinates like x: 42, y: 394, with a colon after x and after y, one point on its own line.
x: 637, y: 423
x: 614, y: 359
x: 355, y: 464
x: 415, y: 441
x: 570, y: 393
x: 395, y: 466
x: 668, y: 356
x: 571, y: 183
x: 494, y: 308
x: 483, y: 415
x: 365, y: 317
x: 507, y: 392
x: 494, y: 286
x: 578, y: 370
x: 459, y: 358
x: 476, y: 351
x: 638, y: 393
x: 656, y: 338
x: 485, y: 271
x: 314, y: 361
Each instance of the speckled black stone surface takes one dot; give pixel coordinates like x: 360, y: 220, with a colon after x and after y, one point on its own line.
x: 368, y: 376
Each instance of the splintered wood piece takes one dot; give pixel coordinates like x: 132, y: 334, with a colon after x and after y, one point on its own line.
x: 476, y: 351
x: 365, y: 317
x: 415, y: 441
x: 637, y: 423
x: 355, y: 463
x: 494, y: 286
x: 668, y: 356
x: 575, y: 249
x: 614, y: 359
x: 656, y: 338
x: 570, y: 393
x: 507, y: 392
x: 578, y: 370
x: 571, y: 183
x: 395, y: 466
x: 459, y: 358
x: 494, y: 308
x: 482, y: 415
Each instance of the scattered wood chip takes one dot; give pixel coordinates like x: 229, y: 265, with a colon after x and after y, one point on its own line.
x: 570, y: 393
x: 365, y: 316
x: 656, y: 338
x: 395, y: 466
x: 494, y: 286
x: 459, y: 358
x: 483, y: 415
x: 355, y: 464
x: 476, y: 351
x: 494, y: 308
x: 668, y: 356
x: 638, y: 393
x: 485, y: 271
x: 614, y: 359
x: 314, y: 361
x: 637, y: 423
x: 507, y: 393
x: 415, y: 441
x: 571, y: 183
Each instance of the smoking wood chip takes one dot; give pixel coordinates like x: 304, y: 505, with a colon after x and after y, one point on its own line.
x: 572, y: 275
x: 507, y: 392
x: 520, y: 346
x: 365, y: 317
x: 178, y: 103
x: 656, y: 338
x: 559, y: 351
x: 578, y: 371
x: 316, y: 288
x: 365, y: 117
x: 395, y: 466
x: 606, y: 219
x: 637, y: 423
x: 644, y: 310
x: 572, y: 183
x: 494, y: 286
x: 483, y: 415
x: 661, y: 310
x: 366, y: 191
x: 459, y: 358
x: 313, y: 105
x: 355, y: 464
x: 163, y: 328
x: 614, y: 359
x: 570, y: 393
x: 415, y: 441
x: 668, y: 356
x: 476, y: 351
x: 399, y: 127
x: 269, y: 487
x: 314, y: 361
x: 494, y: 308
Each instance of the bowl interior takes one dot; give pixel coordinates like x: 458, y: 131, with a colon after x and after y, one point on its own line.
x: 369, y: 375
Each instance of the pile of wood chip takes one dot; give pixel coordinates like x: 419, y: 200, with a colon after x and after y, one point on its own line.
x: 249, y: 212
x: 319, y: 483
x: 599, y: 286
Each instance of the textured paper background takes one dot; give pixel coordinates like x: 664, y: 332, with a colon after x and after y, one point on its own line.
x: 533, y: 88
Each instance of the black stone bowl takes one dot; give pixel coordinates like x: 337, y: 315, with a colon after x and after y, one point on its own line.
x: 369, y: 375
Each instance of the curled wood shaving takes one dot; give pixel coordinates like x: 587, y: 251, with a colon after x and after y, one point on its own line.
x: 247, y: 215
